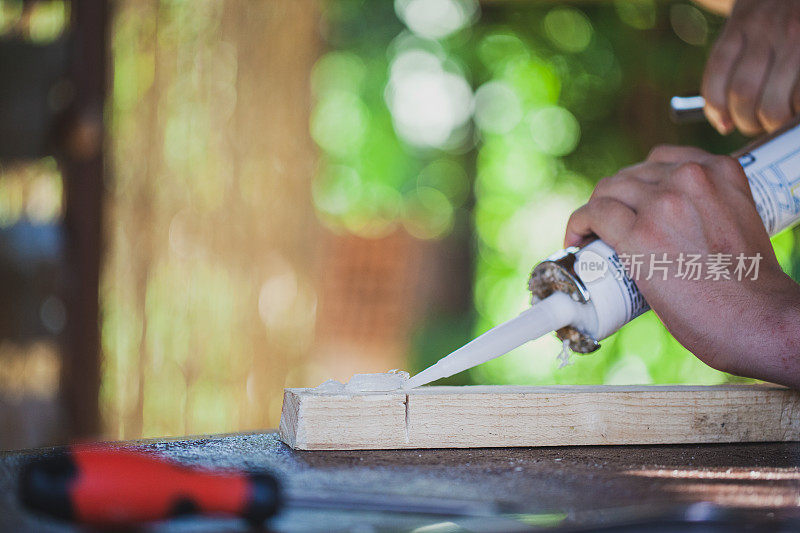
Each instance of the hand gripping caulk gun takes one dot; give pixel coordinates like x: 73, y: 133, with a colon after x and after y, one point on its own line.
x: 772, y: 166
x: 600, y: 295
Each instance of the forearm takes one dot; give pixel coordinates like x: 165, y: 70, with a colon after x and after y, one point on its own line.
x: 771, y: 341
x: 786, y: 362
x: 722, y: 7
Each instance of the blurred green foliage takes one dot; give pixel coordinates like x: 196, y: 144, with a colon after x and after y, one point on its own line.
x: 560, y: 96
x: 40, y: 22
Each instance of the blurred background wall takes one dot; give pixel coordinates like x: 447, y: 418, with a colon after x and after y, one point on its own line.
x: 294, y: 191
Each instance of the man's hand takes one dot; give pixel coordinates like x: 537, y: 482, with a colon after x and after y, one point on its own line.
x: 751, y: 78
x: 685, y: 200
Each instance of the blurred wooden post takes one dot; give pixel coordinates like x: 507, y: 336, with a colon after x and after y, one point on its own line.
x: 211, y: 250
x: 81, y: 161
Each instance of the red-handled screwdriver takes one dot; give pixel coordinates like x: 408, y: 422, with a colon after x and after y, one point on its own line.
x: 106, y: 486
x: 113, y: 487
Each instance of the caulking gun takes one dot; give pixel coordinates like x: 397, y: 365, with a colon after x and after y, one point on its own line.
x: 586, y: 294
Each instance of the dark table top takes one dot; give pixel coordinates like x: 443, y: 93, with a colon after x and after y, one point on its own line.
x: 564, y: 486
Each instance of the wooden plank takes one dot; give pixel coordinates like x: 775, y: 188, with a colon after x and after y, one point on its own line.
x: 492, y: 416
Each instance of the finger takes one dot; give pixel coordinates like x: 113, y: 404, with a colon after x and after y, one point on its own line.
x: 794, y: 38
x: 744, y: 91
x: 607, y: 218
x: 716, y: 79
x: 776, y: 106
x: 796, y: 98
x: 626, y: 188
x: 726, y: 170
x: 667, y: 153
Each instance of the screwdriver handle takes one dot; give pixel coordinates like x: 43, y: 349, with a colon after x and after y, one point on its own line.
x: 112, y: 487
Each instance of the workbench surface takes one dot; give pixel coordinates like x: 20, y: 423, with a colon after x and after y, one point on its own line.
x: 564, y: 485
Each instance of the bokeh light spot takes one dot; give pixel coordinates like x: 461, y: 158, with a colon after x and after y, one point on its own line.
x: 277, y: 295
x: 535, y: 81
x: 497, y: 107
x: 428, y: 213
x: 47, y: 20
x: 449, y: 177
x: 436, y: 19
x: 568, y: 29
x: 375, y: 213
x: 339, y: 122
x: 428, y: 103
x: 10, y: 14
x: 555, y: 130
x: 513, y: 167
x: 338, y: 71
x: 689, y: 24
x: 336, y: 189
x: 639, y: 14
x: 496, y: 50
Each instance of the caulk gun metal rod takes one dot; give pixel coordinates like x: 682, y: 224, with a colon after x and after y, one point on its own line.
x: 686, y: 109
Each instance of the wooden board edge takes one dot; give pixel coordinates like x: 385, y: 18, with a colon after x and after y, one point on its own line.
x: 290, y: 416
x: 577, y: 389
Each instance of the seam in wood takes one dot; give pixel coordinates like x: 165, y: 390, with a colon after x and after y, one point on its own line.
x: 405, y: 403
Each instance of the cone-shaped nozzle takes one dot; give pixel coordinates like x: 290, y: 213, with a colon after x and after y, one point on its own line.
x: 554, y: 312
